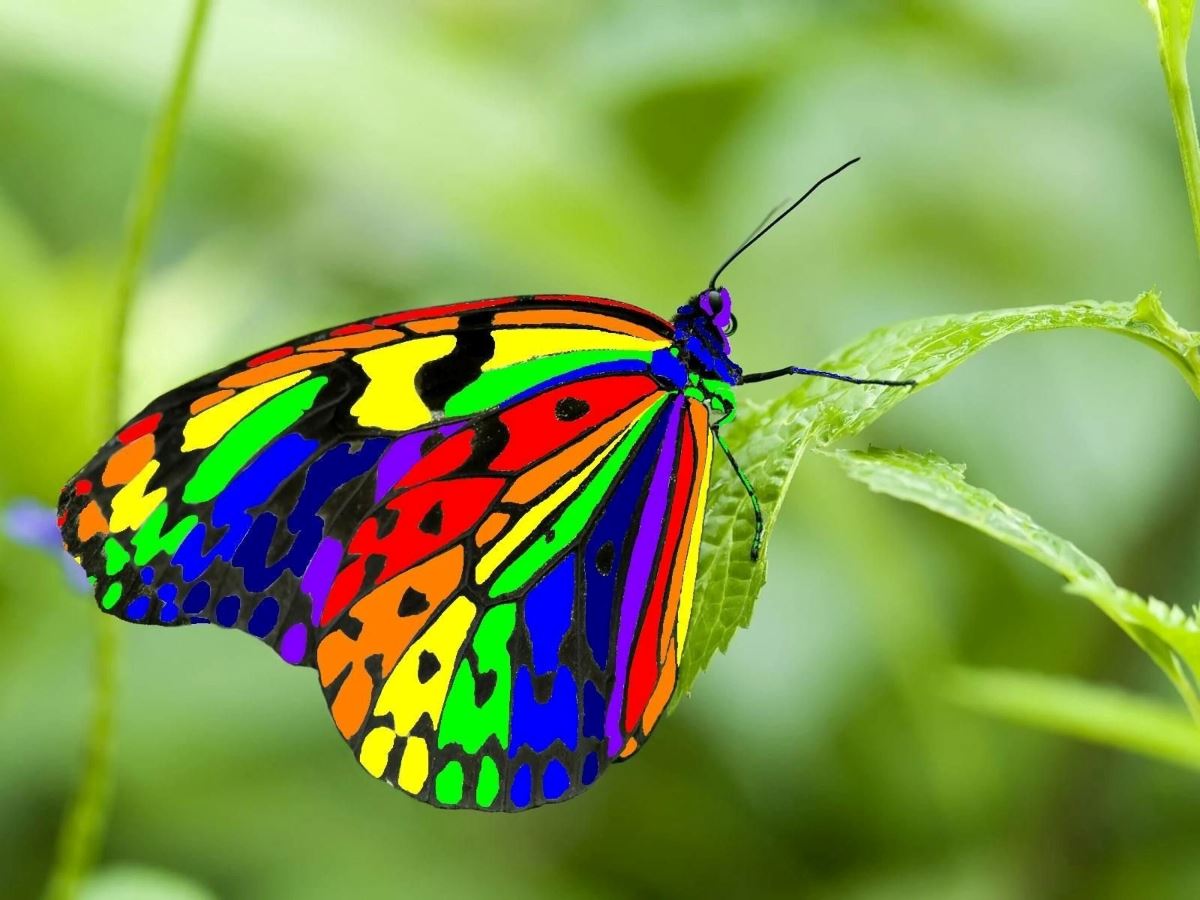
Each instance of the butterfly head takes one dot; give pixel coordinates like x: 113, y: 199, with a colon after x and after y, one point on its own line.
x: 717, y: 305
x: 709, y: 313
x: 702, y: 329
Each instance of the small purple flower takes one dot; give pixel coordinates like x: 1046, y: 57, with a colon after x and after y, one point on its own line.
x: 30, y: 523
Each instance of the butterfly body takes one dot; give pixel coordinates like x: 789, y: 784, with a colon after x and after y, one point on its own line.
x: 478, y: 523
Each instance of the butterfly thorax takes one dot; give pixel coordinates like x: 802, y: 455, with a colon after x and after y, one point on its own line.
x: 701, y: 346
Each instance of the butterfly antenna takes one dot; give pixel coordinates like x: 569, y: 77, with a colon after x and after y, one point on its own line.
x: 763, y: 221
x: 752, y: 235
x: 773, y: 220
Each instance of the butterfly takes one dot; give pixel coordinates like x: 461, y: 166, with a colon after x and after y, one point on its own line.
x: 479, y: 523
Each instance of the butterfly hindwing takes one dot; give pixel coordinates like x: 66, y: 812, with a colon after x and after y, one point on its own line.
x: 467, y: 685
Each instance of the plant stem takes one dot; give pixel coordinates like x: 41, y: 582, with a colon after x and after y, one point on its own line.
x: 1174, y: 20
x: 82, y: 830
x: 1088, y: 712
x: 147, y: 199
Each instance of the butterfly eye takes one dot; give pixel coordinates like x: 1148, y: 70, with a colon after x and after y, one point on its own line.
x: 716, y: 302
x: 732, y: 326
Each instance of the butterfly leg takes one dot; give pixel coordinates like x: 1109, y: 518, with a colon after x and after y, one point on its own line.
x: 756, y: 545
x: 796, y: 370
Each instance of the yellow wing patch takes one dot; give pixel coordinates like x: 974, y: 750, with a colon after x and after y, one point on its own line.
x: 404, y: 695
x: 414, y: 765
x: 206, y: 428
x: 412, y: 690
x: 132, y: 505
x: 390, y: 400
x: 515, y: 345
x: 376, y: 747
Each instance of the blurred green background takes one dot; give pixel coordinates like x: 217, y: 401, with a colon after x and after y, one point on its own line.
x: 341, y: 160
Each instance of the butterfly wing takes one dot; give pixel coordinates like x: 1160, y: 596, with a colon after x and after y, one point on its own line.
x: 385, y: 487
x: 509, y: 665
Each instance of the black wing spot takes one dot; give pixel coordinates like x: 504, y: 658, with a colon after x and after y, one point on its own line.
x: 430, y: 442
x: 412, y: 603
x: 485, y: 686
x: 432, y: 521
x: 604, y: 558
x: 568, y: 409
x: 440, y: 379
x: 386, y: 520
x: 543, y: 688
x: 488, y: 441
x: 373, y: 666
x: 373, y: 568
x: 427, y: 666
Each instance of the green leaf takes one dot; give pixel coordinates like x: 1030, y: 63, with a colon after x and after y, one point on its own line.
x: 770, y: 439
x: 1102, y: 715
x: 1169, y: 635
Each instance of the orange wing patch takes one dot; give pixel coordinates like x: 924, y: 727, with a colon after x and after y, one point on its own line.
x: 391, y: 616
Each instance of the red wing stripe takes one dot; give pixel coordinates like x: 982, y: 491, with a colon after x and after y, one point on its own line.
x: 549, y: 421
x: 451, y: 309
x: 644, y: 668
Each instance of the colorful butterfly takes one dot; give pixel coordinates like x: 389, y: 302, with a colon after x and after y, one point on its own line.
x: 479, y: 523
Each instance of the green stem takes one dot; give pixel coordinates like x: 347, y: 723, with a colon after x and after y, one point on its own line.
x: 1103, y: 715
x: 82, y: 832
x: 147, y: 199
x: 1174, y: 21
x: 83, y: 827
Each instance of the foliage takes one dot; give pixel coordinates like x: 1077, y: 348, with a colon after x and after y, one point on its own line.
x: 772, y: 439
x: 1170, y: 636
